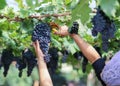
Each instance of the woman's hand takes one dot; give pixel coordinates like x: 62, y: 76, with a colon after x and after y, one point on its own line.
x: 38, y: 51
x: 44, y: 76
x: 63, y: 31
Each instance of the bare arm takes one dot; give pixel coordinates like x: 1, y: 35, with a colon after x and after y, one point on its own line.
x: 89, y: 52
x: 44, y: 76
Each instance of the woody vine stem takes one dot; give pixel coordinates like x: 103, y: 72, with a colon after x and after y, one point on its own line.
x: 17, y: 19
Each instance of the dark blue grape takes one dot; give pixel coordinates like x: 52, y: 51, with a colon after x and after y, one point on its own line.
x: 78, y: 55
x: 84, y: 64
x: 105, y: 26
x: 6, y: 60
x: 74, y: 28
x: 0, y: 63
x: 30, y: 60
x: 65, y: 55
x: 41, y: 33
x: 99, y: 22
x: 20, y: 65
x: 105, y: 46
x: 94, y: 32
x: 53, y: 64
x: 112, y: 30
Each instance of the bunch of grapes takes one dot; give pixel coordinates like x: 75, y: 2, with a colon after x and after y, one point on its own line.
x: 74, y: 28
x: 42, y: 34
x: 97, y: 48
x: 6, y: 60
x: 27, y: 60
x: 104, y: 26
x: 53, y: 64
x: 30, y: 60
x: 0, y: 63
x: 65, y: 53
x: 79, y: 56
x: 20, y: 65
x: 84, y: 64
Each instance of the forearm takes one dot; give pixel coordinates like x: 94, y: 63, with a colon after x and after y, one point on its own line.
x: 89, y: 52
x: 45, y: 79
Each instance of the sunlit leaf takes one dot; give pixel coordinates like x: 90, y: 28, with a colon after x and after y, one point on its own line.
x: 81, y: 11
x: 109, y: 7
x: 67, y: 1
x: 2, y: 4
x: 20, y: 3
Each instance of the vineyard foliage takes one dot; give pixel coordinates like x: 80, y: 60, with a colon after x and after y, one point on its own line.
x: 17, y: 23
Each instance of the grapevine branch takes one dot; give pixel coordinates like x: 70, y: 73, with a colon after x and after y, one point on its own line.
x: 17, y: 19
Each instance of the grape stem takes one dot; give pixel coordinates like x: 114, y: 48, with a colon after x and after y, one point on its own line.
x: 17, y: 19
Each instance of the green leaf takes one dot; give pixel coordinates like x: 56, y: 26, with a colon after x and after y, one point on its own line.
x: 71, y: 48
x: 118, y: 13
x: 70, y: 45
x: 0, y: 33
x: 81, y: 11
x: 119, y: 1
x: 20, y: 3
x: 5, y: 34
x: 32, y: 3
x: 56, y: 43
x: 73, y: 4
x: 24, y: 13
x: 29, y: 2
x: 2, y: 4
x: 67, y: 1
x: 109, y: 7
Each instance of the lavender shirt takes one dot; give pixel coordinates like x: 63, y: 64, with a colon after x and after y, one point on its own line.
x: 111, y: 72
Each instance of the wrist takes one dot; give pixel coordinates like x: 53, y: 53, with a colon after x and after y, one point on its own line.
x: 73, y: 35
x: 41, y: 61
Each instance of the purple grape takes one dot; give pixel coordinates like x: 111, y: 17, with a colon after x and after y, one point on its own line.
x: 103, y: 25
x: 31, y: 62
x: 6, y: 60
x: 42, y: 34
x: 53, y: 64
x: 74, y: 28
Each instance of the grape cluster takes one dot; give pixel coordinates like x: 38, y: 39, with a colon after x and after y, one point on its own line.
x: 6, y: 60
x: 79, y: 56
x: 84, y: 64
x: 74, y: 28
x: 27, y: 60
x: 0, y: 63
x: 103, y: 25
x: 65, y: 53
x: 97, y: 48
x: 42, y: 34
x: 20, y: 65
x: 30, y: 60
x: 53, y: 64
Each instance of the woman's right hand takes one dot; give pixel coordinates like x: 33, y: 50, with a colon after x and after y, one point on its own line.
x: 62, y: 31
x: 38, y: 51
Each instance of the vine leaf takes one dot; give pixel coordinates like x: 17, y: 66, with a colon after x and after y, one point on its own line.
x: 81, y: 11
x: 109, y: 7
x: 2, y: 4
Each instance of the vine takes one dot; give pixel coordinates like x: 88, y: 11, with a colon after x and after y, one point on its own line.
x: 17, y: 19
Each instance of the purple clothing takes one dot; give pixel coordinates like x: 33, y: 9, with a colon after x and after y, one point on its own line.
x: 111, y: 72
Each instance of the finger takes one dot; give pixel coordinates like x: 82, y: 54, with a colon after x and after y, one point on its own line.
x: 58, y: 32
x: 37, y: 44
x: 54, y: 30
x: 34, y: 45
